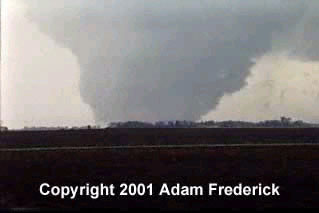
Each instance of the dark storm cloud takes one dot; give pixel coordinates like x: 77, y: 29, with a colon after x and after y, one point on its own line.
x: 170, y: 59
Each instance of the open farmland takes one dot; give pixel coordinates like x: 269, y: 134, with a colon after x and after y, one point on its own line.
x: 293, y: 167
x: 117, y: 137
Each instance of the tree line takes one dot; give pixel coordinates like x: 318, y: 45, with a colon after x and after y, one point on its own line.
x: 283, y: 122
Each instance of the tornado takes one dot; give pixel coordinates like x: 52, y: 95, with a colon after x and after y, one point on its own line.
x: 154, y: 60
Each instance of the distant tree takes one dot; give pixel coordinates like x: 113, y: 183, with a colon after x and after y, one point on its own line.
x: 285, y: 121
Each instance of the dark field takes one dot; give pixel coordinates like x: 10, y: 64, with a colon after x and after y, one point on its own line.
x: 294, y: 168
x: 110, y: 137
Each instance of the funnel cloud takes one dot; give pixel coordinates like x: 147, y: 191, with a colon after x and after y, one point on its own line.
x: 177, y: 59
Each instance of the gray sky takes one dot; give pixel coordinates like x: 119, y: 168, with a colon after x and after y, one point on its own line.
x: 72, y: 62
x: 40, y: 77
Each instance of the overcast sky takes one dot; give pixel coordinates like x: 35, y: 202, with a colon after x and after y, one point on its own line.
x: 72, y: 62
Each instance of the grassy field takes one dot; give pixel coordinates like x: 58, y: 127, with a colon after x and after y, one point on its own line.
x: 294, y: 168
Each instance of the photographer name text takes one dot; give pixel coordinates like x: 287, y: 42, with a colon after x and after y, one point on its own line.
x: 165, y: 189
